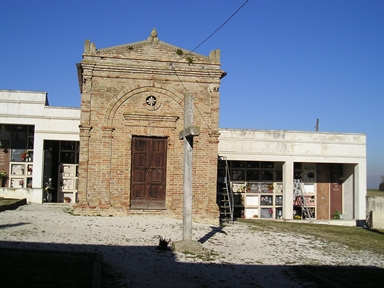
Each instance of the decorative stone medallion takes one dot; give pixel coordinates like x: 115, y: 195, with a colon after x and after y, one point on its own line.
x: 151, y: 100
x: 151, y: 103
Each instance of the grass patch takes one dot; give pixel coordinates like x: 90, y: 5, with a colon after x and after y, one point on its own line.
x: 353, y: 237
x: 374, y: 192
x: 69, y: 210
x: 330, y: 276
x: 7, y: 201
x: 11, y: 204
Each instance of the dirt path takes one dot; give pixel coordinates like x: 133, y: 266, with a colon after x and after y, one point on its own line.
x: 241, y: 257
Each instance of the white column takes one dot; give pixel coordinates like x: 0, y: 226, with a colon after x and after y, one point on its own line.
x: 360, y: 190
x: 38, y: 162
x: 348, y: 190
x: 288, y: 189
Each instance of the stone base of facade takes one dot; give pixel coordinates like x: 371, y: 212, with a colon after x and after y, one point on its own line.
x: 108, y: 210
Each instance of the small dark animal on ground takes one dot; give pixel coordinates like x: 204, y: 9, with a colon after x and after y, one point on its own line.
x: 163, y: 244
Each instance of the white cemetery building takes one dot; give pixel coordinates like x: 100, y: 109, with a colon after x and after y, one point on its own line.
x: 39, y: 151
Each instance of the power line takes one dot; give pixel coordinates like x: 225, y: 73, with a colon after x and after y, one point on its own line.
x: 214, y: 32
x: 177, y: 75
x: 221, y: 26
x: 205, y: 40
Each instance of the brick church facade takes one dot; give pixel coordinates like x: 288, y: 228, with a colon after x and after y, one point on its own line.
x: 132, y: 111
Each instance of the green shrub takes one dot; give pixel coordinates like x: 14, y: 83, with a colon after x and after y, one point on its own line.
x: 336, y: 215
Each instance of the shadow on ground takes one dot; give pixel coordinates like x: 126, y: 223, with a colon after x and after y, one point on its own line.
x: 14, y: 205
x: 63, y: 265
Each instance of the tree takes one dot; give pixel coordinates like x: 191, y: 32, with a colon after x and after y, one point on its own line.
x: 381, y: 186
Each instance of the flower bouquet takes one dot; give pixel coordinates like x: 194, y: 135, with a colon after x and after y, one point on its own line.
x: 3, y: 174
x: 25, y: 155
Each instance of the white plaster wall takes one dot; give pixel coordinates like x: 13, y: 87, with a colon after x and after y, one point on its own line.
x: 277, y: 145
x: 360, y: 185
x: 375, y: 207
x: 51, y: 123
x: 31, y: 194
x: 311, y: 147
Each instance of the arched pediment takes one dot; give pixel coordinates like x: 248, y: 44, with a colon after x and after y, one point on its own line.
x: 144, y: 103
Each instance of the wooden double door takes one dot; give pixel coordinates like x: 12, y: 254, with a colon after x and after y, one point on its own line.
x: 148, y: 172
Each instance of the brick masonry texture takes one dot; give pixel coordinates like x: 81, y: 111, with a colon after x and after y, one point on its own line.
x: 115, y: 83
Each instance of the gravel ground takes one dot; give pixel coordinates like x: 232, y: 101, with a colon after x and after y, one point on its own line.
x: 242, y: 256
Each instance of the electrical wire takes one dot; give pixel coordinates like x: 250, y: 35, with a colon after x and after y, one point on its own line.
x: 177, y: 75
x: 201, y: 43
x: 221, y: 26
x: 214, y: 32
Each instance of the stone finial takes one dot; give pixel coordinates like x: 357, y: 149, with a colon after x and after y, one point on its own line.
x: 92, y: 48
x: 214, y: 56
x: 86, y: 47
x: 153, y: 36
x: 89, y: 48
x: 154, y: 33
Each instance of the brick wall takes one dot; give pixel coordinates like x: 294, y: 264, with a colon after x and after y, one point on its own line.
x: 115, y: 83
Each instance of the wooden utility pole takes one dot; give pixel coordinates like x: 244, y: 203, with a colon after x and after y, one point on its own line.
x: 187, y: 135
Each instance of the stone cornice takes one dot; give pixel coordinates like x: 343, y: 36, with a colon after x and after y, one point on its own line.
x: 40, y: 117
x: 163, y: 75
x: 118, y: 70
x: 147, y: 117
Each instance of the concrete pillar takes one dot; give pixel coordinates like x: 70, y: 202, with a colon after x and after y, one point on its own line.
x: 38, y: 160
x: 288, y: 189
x: 360, y: 190
x: 188, y: 168
x: 348, y: 191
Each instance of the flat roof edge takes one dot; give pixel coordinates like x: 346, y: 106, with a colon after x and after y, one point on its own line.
x: 289, y: 131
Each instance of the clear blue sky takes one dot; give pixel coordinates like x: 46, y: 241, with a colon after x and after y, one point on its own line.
x: 288, y: 62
